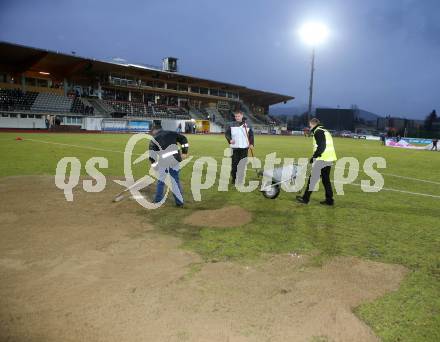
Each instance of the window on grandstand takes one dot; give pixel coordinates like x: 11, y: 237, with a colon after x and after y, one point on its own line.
x: 172, y: 86
x: 222, y: 93
x: 195, y: 90
x: 160, y: 85
x: 214, y: 92
x: 115, y: 81
x: 3, y: 77
x: 229, y: 95
x: 203, y: 90
x: 183, y: 87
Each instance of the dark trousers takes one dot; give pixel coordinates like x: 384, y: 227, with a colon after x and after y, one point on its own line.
x: 237, y: 155
x: 313, y: 179
x: 176, y: 188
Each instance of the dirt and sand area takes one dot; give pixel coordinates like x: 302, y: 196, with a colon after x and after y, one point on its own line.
x: 229, y: 216
x: 92, y: 270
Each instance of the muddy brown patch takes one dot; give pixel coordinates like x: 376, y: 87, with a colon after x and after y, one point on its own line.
x: 92, y: 270
x: 278, y: 300
x: 231, y: 216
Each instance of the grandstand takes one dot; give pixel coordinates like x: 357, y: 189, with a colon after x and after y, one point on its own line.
x: 36, y: 83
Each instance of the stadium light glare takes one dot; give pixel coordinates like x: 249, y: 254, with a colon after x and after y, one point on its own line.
x: 314, y: 33
x: 44, y: 73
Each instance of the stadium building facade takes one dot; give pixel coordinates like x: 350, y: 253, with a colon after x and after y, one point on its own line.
x: 40, y: 87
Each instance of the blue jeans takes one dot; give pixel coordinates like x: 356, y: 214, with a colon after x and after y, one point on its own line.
x: 175, y: 185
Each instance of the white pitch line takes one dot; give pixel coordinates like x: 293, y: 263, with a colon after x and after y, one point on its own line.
x: 139, y: 154
x: 398, y: 176
x: 77, y: 146
x: 412, y: 178
x: 395, y: 190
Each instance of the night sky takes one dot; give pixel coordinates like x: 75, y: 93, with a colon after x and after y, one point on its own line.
x: 382, y: 55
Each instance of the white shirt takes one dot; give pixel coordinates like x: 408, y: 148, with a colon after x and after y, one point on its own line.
x: 240, y: 137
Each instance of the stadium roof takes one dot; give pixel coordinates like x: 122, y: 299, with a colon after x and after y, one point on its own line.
x: 17, y: 58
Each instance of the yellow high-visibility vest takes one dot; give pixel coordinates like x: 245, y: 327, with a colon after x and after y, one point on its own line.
x: 329, y: 153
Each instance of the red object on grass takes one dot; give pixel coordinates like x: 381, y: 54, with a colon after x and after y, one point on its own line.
x: 18, y: 138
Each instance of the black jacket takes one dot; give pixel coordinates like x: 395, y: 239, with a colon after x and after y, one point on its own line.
x: 320, y: 141
x: 238, y: 124
x: 164, y: 147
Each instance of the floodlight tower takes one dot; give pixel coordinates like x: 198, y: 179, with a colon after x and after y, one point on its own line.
x: 313, y: 34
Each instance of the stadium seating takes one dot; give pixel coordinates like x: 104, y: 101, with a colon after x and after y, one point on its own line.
x: 139, y: 109
x: 120, y: 107
x: 216, y: 116
x: 178, y: 113
x: 256, y: 119
x: 149, y: 111
x: 78, y: 106
x: 161, y: 111
x: 222, y: 115
x: 102, y: 108
x: 197, y: 114
x: 274, y: 120
x: 51, y: 102
x: 263, y: 119
x: 15, y: 99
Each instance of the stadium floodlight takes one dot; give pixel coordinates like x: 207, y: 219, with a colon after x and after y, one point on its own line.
x: 313, y: 33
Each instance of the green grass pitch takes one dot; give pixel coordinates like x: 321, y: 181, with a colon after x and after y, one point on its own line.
x: 388, y: 226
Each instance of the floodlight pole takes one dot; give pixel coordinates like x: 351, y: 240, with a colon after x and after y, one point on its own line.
x: 312, y: 71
